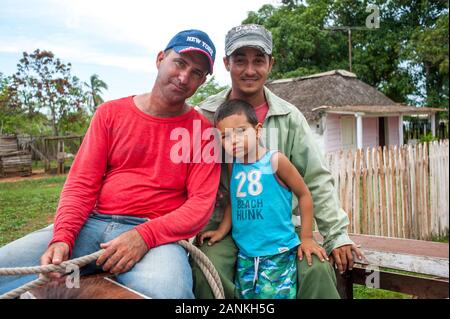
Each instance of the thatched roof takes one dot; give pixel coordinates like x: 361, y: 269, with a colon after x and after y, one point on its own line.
x: 380, y: 110
x: 334, y: 88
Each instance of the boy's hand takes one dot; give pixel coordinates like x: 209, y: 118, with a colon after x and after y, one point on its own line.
x: 214, y: 236
x: 309, y: 247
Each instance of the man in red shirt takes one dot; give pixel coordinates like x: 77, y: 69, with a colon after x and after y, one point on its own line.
x: 128, y: 192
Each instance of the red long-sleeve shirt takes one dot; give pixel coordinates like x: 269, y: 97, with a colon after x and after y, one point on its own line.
x: 124, y: 167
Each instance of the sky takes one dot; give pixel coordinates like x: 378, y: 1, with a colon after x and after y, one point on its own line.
x: 118, y: 40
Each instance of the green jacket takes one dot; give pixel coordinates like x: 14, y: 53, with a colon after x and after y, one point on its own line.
x: 294, y: 139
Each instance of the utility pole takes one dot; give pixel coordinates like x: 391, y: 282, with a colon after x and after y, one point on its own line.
x: 349, y: 32
x: 372, y: 22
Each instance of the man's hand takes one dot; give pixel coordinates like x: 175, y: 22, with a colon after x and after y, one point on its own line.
x: 308, y: 247
x: 343, y: 257
x: 55, y: 254
x: 123, y: 252
x: 214, y: 235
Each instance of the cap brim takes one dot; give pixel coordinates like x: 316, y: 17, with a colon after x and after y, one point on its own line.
x: 244, y: 44
x: 183, y: 49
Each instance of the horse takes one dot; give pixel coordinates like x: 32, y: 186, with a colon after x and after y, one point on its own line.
x: 97, y: 286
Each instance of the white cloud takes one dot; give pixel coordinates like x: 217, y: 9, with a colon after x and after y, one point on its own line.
x: 79, y: 52
x: 125, y: 34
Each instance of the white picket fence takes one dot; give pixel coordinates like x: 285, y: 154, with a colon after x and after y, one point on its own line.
x: 396, y: 191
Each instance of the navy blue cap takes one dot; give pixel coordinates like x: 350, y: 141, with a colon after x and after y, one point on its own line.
x: 194, y: 40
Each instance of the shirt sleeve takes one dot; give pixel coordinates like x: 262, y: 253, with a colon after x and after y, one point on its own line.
x: 187, y: 220
x: 331, y: 219
x: 80, y: 191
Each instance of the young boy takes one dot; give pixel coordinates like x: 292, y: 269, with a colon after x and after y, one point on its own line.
x: 260, y: 208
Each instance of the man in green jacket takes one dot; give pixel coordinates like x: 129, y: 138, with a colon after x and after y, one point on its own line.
x: 248, y: 58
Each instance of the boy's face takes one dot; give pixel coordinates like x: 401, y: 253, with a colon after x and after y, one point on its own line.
x: 239, y: 137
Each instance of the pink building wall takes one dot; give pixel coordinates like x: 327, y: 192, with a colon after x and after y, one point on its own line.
x: 332, y: 134
x: 393, y: 138
x: 370, y: 132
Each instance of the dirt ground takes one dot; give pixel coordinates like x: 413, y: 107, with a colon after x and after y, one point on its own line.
x: 36, y: 174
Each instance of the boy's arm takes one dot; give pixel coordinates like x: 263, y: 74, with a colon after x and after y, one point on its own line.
x: 292, y: 178
x: 224, y: 226
x: 288, y: 174
x: 223, y: 229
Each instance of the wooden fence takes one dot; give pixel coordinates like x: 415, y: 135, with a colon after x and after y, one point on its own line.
x: 397, y: 191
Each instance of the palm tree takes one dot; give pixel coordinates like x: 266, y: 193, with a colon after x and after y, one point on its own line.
x: 95, y: 89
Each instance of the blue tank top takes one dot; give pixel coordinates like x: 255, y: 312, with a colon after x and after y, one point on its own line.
x: 261, y: 209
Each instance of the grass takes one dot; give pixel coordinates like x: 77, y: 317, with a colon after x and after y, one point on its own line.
x: 27, y: 205
x: 362, y: 292
x: 440, y: 239
x: 40, y: 165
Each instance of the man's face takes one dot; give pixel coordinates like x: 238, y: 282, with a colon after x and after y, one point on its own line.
x: 249, y: 69
x: 180, y: 74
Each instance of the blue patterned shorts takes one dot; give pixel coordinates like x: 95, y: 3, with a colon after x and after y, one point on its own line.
x: 267, y: 277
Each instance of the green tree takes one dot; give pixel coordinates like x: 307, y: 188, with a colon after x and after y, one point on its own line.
x: 428, y: 50
x: 302, y: 45
x: 4, y: 92
x: 44, y: 83
x: 209, y: 88
x: 95, y: 87
x: 12, y: 118
x: 406, y: 58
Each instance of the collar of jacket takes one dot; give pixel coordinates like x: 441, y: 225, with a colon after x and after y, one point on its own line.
x: 277, y: 106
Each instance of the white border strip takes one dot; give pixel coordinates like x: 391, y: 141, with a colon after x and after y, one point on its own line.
x: 125, y: 287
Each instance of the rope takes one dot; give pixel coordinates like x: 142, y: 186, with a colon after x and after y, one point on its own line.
x: 42, y: 280
x: 206, y: 267
x: 198, y: 256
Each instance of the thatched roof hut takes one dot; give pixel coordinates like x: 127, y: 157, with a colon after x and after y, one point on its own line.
x: 333, y: 90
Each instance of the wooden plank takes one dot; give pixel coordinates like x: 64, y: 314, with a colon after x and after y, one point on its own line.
x: 393, y: 195
x: 402, y: 246
x: 356, y: 192
x: 411, y: 285
x: 414, y: 193
x: 426, y: 173
x: 420, y: 192
x: 433, y: 187
x: 371, y: 192
x: 402, y: 254
x: 58, y: 138
x: 388, y: 176
x: 365, y: 199
x: 347, y: 188
x: 376, y: 192
x: 8, y: 144
x: 419, y: 264
x: 404, y: 193
x: 397, y: 199
x: 382, y: 188
x: 444, y: 188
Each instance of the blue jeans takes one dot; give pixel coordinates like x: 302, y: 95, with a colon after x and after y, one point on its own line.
x: 164, y: 272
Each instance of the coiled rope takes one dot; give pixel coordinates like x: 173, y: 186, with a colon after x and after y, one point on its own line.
x: 197, y: 255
